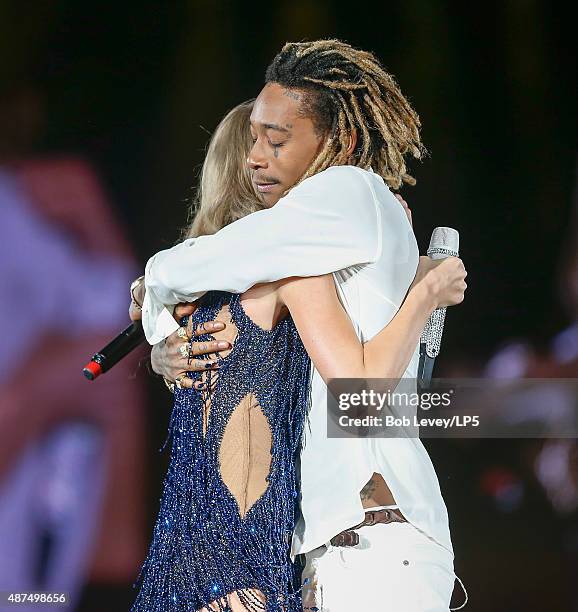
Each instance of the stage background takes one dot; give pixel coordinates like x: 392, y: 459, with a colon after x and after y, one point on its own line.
x: 136, y: 88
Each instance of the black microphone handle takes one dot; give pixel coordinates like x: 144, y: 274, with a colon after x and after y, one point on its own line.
x: 425, y: 367
x: 114, y: 351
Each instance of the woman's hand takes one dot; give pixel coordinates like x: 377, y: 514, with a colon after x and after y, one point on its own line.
x: 405, y: 207
x: 442, y: 279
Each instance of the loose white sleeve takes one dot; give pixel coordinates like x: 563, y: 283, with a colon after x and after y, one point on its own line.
x: 328, y: 222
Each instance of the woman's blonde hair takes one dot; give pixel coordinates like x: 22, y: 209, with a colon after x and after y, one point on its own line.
x: 225, y: 192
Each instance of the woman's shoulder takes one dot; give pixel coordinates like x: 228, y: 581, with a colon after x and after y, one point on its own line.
x: 302, y: 286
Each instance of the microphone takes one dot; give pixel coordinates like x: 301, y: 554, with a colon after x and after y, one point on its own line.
x: 444, y: 242
x: 114, y: 351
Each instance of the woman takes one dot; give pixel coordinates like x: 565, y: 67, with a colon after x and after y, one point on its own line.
x: 221, y: 541
x: 234, y: 475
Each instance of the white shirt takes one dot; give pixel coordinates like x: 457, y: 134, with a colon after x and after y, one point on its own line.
x: 346, y: 221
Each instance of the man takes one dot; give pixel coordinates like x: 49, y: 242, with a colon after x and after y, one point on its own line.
x: 325, y: 108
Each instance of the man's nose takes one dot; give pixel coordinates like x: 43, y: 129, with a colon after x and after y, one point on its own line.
x: 256, y: 159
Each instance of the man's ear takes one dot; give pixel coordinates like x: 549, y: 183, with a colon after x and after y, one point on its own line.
x: 352, y: 142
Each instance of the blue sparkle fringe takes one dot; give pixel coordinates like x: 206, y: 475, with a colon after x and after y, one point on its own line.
x: 202, y: 549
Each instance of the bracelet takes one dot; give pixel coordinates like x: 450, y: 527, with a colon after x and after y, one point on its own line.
x: 170, y: 385
x: 136, y: 304
x: 135, y: 283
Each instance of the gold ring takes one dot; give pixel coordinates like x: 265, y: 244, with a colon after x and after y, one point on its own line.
x: 178, y: 381
x: 184, y: 350
x: 182, y: 333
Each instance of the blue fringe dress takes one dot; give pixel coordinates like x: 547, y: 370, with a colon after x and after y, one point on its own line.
x: 203, y: 547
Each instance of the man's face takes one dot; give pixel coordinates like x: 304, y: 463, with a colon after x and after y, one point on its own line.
x: 285, y: 143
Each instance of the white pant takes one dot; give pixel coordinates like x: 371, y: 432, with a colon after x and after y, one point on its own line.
x: 395, y: 567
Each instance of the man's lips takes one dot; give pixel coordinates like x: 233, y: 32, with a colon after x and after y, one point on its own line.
x: 264, y: 187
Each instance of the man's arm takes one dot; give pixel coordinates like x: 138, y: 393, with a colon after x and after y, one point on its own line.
x: 329, y: 222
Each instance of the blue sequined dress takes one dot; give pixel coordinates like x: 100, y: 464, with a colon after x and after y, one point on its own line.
x: 226, y: 519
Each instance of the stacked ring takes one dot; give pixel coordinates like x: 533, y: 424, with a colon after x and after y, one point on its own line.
x: 170, y: 385
x: 178, y: 380
x: 185, y: 350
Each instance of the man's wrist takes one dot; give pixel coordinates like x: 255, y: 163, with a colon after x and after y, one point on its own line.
x: 137, y: 287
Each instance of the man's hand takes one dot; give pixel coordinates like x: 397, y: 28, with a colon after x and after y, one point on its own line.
x: 169, y: 358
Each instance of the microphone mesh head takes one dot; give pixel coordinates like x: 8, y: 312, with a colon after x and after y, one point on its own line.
x: 444, y: 242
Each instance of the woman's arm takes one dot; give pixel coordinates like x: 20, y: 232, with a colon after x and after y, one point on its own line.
x: 330, y: 339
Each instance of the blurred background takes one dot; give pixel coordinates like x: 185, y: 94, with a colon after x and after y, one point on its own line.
x: 105, y: 113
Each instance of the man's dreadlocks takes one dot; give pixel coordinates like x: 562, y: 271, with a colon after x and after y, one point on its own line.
x: 347, y: 89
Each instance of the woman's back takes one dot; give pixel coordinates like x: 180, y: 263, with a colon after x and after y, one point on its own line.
x: 231, y: 492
